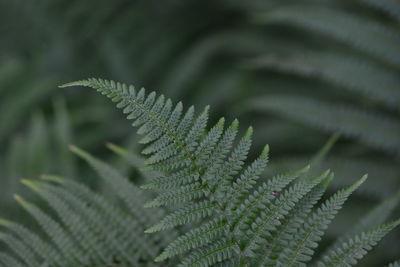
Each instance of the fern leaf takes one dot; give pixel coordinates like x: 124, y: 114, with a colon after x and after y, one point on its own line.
x: 190, y: 213
x: 19, y: 248
x: 257, y: 231
x: 113, y: 222
x: 87, y: 239
x: 373, y: 129
x: 373, y: 218
x: 8, y: 260
x: 224, y: 175
x: 247, y: 180
x: 216, y: 160
x: 197, y: 237
x: 55, y: 232
x: 173, y: 181
x: 347, y: 71
x: 165, y: 139
x: 206, y: 178
x: 217, y: 252
x: 111, y: 238
x: 84, y: 224
x: 300, y: 247
x: 208, y: 143
x: 131, y: 195
x: 356, y: 247
x: 182, y: 195
x: 198, y: 128
x: 35, y: 243
x: 264, y: 195
x: 299, y: 215
x: 377, y: 39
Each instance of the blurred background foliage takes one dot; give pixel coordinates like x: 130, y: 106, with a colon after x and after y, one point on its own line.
x: 297, y: 71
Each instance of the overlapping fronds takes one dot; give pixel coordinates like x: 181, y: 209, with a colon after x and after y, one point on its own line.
x: 366, y: 35
x: 43, y: 148
x: 338, y: 55
x: 373, y: 219
x: 205, y: 176
x: 375, y: 129
x: 353, y: 249
x: 83, y: 228
x: 344, y: 70
x: 345, y: 53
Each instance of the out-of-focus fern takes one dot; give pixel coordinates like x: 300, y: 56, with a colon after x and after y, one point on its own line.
x: 199, y: 61
x: 372, y: 37
x: 341, y: 69
x: 377, y: 130
x: 353, y: 50
x: 373, y: 77
x: 205, y: 179
x: 88, y: 229
x: 44, y: 148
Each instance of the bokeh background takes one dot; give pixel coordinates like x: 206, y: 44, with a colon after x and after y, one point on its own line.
x: 298, y: 71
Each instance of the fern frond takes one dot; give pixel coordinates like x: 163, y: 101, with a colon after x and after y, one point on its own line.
x: 374, y: 129
x: 190, y: 213
x: 208, y: 256
x: 128, y: 193
x: 197, y: 237
x: 8, y: 260
x: 20, y: 249
x: 300, y: 213
x: 214, y: 188
x: 224, y: 174
x: 87, y: 238
x: 56, y: 232
x: 35, y: 243
x: 216, y: 160
x: 173, y: 181
x: 375, y: 38
x: 84, y: 223
x: 241, y: 187
x: 183, y: 195
x: 373, y: 218
x: 299, y: 248
x: 344, y: 70
x: 264, y: 195
x: 88, y: 230
x: 258, y: 229
x: 109, y: 220
x: 355, y: 248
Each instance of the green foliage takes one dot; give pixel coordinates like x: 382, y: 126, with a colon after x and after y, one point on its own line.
x: 376, y: 130
x: 203, y: 176
x: 88, y: 229
x: 43, y: 148
x: 336, y: 61
x: 348, y: 48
